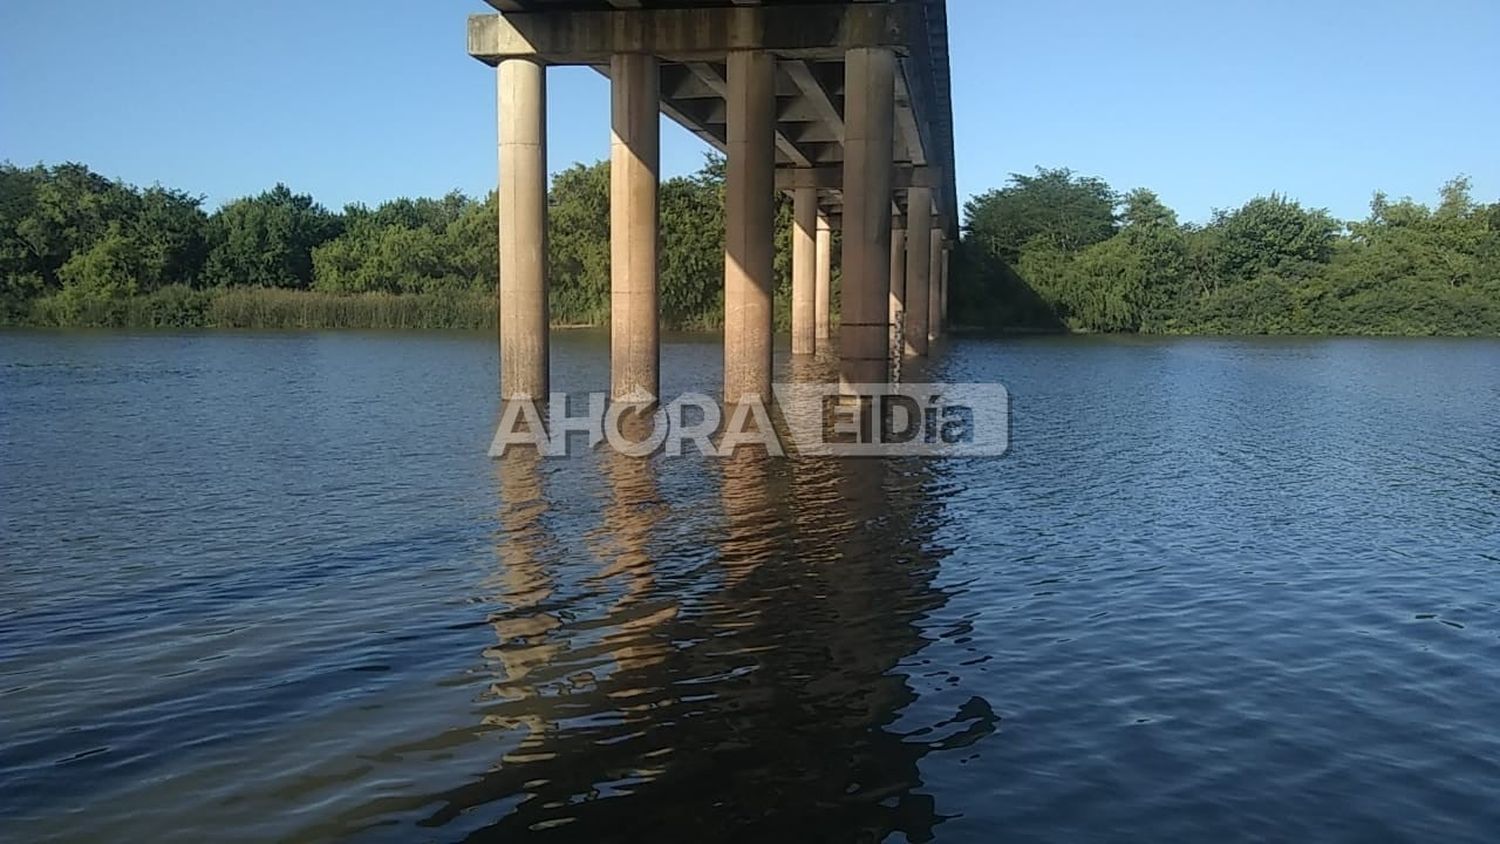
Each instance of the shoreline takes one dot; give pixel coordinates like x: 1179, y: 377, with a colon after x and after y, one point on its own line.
x: 179, y: 307
x: 967, y: 331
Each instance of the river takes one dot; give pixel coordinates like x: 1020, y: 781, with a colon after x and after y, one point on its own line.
x: 269, y: 586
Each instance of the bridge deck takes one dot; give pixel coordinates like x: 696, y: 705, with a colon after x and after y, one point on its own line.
x: 808, y: 39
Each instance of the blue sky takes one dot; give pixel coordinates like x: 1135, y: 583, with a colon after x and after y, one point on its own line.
x: 1209, y: 103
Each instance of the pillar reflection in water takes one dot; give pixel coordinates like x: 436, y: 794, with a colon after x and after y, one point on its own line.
x: 750, y: 535
x: 756, y: 688
x: 524, y: 626
x: 633, y: 510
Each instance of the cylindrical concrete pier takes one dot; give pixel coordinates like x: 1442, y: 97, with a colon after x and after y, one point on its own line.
x: 864, y: 328
x: 824, y: 303
x: 918, y: 265
x: 898, y: 277
x: 522, y: 202
x: 804, y: 271
x: 634, y: 165
x: 749, y: 209
x: 943, y: 297
x: 934, y: 303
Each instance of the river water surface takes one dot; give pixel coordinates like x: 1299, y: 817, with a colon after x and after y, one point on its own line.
x: 269, y: 586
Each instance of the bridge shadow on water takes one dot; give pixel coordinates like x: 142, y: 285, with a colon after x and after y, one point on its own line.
x: 723, y: 655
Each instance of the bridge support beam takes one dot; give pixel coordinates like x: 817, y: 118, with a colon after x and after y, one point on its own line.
x: 804, y: 271
x: 749, y: 210
x: 634, y: 219
x: 824, y: 299
x: 943, y: 305
x: 898, y: 284
x: 855, y: 75
x: 918, y: 269
x: 869, y: 107
x: 935, y: 303
x: 522, y: 203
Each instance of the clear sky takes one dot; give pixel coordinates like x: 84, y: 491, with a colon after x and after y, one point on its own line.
x: 1209, y: 102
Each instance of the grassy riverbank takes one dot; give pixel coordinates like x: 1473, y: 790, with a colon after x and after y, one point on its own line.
x: 180, y: 306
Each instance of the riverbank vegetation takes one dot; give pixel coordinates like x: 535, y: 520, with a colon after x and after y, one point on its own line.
x: 1057, y: 251
x: 77, y: 248
x: 1049, y: 251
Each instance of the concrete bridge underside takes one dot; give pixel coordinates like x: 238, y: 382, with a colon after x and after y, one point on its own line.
x: 843, y: 105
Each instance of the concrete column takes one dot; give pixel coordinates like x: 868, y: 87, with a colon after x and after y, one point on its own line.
x: 898, y: 277
x: 749, y: 210
x: 522, y: 202
x: 917, y: 269
x: 824, y: 305
x: 804, y: 271
x: 943, y: 306
x: 634, y: 165
x: 869, y: 83
x: 935, y: 280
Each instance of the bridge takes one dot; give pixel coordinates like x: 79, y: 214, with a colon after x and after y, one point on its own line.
x: 844, y: 105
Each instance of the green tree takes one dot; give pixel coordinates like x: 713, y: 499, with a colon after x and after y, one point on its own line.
x: 21, y: 267
x: 1272, y: 234
x: 168, y: 231
x: 578, y: 244
x: 70, y: 207
x: 1161, y: 259
x: 692, y: 253
x: 1056, y: 207
x: 409, y: 246
x: 268, y: 240
x: 471, y: 246
x: 1018, y: 242
x: 109, y: 269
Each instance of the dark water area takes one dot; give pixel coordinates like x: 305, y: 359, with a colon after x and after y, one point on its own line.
x: 270, y: 587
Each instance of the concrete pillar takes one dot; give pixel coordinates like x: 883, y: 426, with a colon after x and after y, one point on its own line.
x: 804, y: 271
x: 898, y: 277
x: 943, y: 305
x: 749, y: 209
x: 634, y: 165
x: 869, y: 121
x: 823, y: 307
x: 934, y: 303
x: 522, y: 201
x: 917, y: 269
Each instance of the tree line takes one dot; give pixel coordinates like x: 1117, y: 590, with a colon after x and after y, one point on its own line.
x: 1055, y: 250
x: 79, y: 248
x: 1051, y: 250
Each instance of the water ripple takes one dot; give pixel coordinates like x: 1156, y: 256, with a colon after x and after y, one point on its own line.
x: 268, y: 586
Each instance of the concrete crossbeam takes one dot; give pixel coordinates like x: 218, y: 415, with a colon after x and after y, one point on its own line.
x: 691, y: 34
x: 709, y: 75
x: 831, y: 177
x: 817, y: 96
